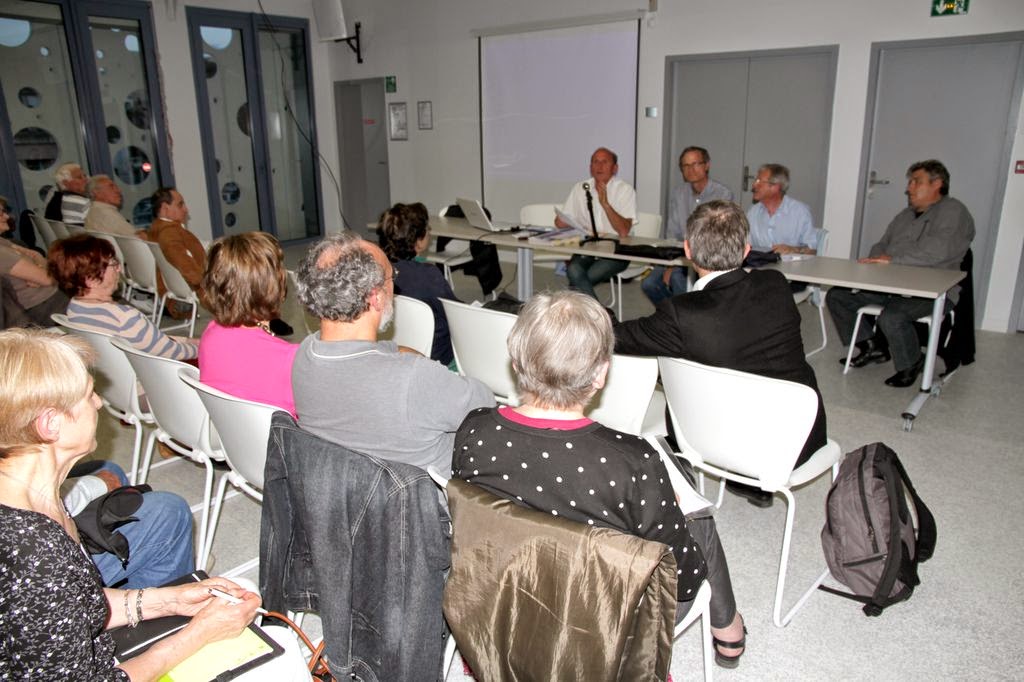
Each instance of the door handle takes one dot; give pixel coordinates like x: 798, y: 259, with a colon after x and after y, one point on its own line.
x: 747, y: 177
x: 873, y: 180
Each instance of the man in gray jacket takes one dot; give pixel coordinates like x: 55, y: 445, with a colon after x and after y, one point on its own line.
x: 935, y: 230
x: 367, y: 394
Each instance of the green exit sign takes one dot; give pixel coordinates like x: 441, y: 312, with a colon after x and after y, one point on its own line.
x: 946, y: 8
x: 390, y: 84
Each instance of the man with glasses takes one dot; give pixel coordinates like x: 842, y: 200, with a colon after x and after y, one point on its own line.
x: 354, y: 390
x: 778, y: 222
x: 697, y: 189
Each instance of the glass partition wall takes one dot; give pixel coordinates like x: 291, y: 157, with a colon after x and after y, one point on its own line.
x: 79, y: 85
x: 255, y: 113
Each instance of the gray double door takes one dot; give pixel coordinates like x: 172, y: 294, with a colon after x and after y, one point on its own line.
x: 955, y: 100
x: 748, y: 109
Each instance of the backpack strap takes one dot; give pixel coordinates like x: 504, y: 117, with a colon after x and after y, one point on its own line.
x: 897, y: 557
x: 926, y: 530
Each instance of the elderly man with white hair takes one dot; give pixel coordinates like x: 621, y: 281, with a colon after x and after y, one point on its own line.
x: 104, y: 214
x: 363, y: 393
x: 69, y: 203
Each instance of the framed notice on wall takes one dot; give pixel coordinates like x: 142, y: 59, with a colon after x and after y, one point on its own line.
x: 398, y: 121
x: 425, y: 115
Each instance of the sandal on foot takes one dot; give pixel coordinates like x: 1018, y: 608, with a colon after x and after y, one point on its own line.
x: 727, y: 660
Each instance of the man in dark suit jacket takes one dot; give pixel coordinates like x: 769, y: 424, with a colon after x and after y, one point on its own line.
x: 733, y: 319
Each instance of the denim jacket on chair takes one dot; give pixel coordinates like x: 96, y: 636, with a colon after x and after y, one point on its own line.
x: 362, y: 541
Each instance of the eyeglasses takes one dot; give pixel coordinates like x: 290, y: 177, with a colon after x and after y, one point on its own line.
x: 684, y: 166
x: 759, y: 181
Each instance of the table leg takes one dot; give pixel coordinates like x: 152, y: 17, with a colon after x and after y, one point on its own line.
x: 524, y: 263
x: 935, y: 330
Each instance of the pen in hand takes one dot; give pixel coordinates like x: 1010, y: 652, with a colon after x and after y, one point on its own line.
x: 232, y: 600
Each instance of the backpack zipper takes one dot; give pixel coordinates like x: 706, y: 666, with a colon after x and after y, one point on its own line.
x: 864, y: 504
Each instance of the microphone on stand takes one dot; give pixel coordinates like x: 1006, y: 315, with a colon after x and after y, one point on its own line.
x: 590, y: 210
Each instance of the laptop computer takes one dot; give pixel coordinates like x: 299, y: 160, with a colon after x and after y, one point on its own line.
x: 476, y: 217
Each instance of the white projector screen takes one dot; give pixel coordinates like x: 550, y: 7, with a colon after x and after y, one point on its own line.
x: 548, y: 100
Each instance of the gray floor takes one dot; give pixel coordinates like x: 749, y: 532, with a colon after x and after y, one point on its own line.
x: 964, y: 455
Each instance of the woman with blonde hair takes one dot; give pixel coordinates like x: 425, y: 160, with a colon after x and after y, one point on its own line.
x: 245, y: 285
x: 54, y: 611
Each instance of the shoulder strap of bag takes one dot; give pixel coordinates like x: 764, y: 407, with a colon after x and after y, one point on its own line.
x: 926, y: 530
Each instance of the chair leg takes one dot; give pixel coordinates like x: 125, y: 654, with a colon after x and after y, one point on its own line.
x: 449, y: 656
x: 202, y: 549
x: 158, y: 309
x: 617, y: 289
x: 143, y: 472
x: 136, y: 453
x: 214, y: 517
x: 853, y: 342
x: 195, y: 313
x: 821, y: 320
x: 707, y: 646
x: 780, y: 586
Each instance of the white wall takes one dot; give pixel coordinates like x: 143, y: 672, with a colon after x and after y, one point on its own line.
x: 175, y: 64
x: 430, y: 46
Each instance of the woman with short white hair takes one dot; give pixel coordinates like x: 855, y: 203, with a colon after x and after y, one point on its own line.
x: 546, y: 455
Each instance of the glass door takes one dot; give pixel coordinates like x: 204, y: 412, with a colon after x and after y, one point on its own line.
x: 252, y: 85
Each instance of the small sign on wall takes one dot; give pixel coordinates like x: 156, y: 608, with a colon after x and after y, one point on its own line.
x: 947, y: 8
x: 390, y: 84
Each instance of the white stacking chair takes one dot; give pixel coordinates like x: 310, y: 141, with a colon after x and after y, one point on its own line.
x: 118, y: 387
x: 649, y: 226
x: 141, y: 271
x: 176, y: 288
x: 74, y: 229
x: 413, y: 326
x: 448, y: 259
x: 182, y: 424
x: 60, y: 230
x: 243, y: 427
x: 479, y: 340
x: 44, y: 229
x: 813, y: 294
x: 874, y: 310
x: 630, y: 400
x: 720, y: 418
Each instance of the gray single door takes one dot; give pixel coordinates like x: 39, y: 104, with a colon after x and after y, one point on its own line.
x: 363, y: 150
x: 953, y: 101
x: 754, y: 108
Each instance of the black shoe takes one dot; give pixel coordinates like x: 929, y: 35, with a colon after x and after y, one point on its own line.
x: 871, y: 352
x: 281, y: 328
x: 906, y: 377
x: 756, y: 497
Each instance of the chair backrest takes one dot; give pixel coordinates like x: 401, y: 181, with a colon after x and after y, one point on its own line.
x: 745, y: 423
x: 541, y: 215
x: 647, y: 225
x: 479, y: 340
x: 117, y: 383
x: 44, y: 228
x: 74, y: 229
x: 822, y: 248
x: 413, y: 326
x: 59, y: 229
x: 139, y: 260
x: 242, y: 425
x: 175, y: 283
x: 108, y: 238
x: 622, y: 403
x: 176, y: 408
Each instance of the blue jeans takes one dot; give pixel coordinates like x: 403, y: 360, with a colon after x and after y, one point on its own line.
x: 160, y: 542
x: 654, y: 287
x: 586, y: 271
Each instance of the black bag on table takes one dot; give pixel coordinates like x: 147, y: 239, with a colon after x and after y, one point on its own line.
x: 869, y: 539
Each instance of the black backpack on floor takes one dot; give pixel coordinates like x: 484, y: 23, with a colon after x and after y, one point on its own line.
x: 869, y: 540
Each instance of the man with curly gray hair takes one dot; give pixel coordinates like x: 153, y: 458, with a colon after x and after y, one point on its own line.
x: 363, y: 393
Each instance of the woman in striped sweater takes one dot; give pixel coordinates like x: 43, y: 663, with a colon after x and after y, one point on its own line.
x: 86, y: 268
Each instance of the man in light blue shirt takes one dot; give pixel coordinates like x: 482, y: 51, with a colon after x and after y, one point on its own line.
x: 697, y: 189
x: 778, y: 222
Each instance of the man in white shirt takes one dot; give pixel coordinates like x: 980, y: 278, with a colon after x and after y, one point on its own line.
x: 103, y: 214
x: 614, y: 213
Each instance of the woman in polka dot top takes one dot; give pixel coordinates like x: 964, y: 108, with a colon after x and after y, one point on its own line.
x: 547, y: 456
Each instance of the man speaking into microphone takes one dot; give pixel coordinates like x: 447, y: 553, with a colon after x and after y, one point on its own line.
x: 605, y: 205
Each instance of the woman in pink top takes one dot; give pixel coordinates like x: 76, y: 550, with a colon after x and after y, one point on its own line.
x: 244, y: 287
